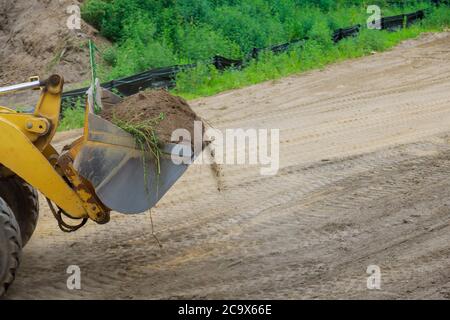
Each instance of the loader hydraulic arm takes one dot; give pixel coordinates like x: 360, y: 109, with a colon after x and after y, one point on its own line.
x: 25, y: 151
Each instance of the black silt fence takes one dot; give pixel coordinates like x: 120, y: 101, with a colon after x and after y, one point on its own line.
x: 166, y: 77
x: 222, y: 63
x: 343, y: 33
x: 402, y: 20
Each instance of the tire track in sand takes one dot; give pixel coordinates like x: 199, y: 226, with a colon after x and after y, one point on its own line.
x: 365, y: 157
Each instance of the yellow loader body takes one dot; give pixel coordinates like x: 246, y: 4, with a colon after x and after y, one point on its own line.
x: 27, y: 152
x: 103, y: 170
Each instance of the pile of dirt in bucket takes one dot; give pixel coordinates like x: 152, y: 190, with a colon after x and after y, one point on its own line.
x: 147, y: 105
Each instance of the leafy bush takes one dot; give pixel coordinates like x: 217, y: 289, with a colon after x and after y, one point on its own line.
x: 201, y: 42
x: 72, y: 116
x: 438, y: 18
x: 140, y: 50
x: 314, y: 53
x: 110, y: 56
x: 156, y: 33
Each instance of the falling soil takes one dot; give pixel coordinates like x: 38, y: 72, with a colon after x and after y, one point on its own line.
x: 216, y: 169
x: 151, y: 104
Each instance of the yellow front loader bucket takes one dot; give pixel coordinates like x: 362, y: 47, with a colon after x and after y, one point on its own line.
x: 124, y: 179
x: 99, y: 172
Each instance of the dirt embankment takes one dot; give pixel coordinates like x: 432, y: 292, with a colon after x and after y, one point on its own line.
x: 35, y: 40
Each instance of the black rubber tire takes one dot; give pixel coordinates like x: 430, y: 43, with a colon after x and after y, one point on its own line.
x: 24, y: 203
x: 10, y: 247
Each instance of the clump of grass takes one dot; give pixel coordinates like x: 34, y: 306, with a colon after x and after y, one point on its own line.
x: 72, y: 115
x: 144, y: 134
x: 22, y: 109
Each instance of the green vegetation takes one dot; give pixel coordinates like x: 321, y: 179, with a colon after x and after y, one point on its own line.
x: 315, y: 53
x: 72, y: 115
x: 206, y: 80
x: 154, y: 33
x: 144, y: 134
x: 145, y: 137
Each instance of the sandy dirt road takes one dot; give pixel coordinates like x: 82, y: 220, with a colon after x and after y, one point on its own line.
x: 364, y: 180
